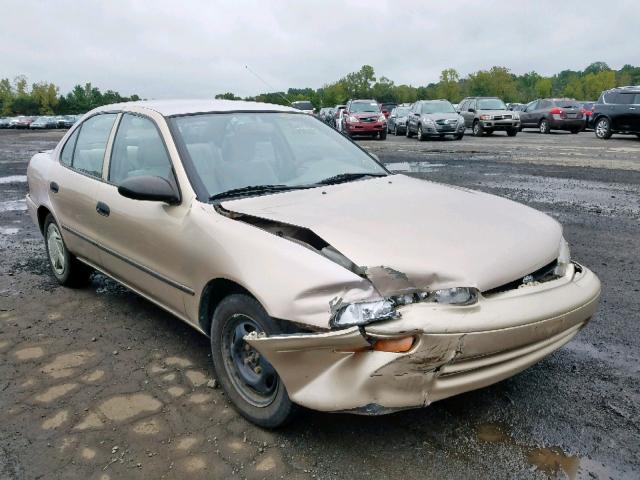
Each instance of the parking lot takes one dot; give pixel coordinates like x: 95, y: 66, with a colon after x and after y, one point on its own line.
x: 99, y: 383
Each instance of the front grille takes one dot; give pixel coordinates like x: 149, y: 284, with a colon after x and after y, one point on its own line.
x: 368, y: 119
x: 502, y: 117
x: 544, y: 274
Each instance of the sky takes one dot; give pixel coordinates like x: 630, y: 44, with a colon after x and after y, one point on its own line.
x: 198, y: 48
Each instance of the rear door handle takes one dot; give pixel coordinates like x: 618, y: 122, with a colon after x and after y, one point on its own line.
x: 53, y: 186
x: 103, y: 209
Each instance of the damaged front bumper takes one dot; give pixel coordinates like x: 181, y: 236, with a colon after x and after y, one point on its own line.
x: 456, y: 349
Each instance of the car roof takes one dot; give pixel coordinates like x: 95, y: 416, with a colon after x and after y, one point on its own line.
x: 169, y: 108
x: 628, y: 89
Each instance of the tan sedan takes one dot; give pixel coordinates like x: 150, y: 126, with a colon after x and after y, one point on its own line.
x: 322, y: 280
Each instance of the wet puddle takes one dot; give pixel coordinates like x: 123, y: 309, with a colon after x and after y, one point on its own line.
x: 551, y: 460
x: 13, y: 179
x: 13, y: 205
x: 414, y: 167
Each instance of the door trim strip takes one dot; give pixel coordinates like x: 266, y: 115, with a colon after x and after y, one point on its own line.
x: 133, y: 263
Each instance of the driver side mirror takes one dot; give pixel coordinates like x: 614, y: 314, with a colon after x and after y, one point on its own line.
x: 150, y: 188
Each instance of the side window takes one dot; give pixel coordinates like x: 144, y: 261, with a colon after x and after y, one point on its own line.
x: 138, y: 150
x: 92, y: 143
x: 611, y: 97
x: 472, y: 104
x: 532, y: 106
x: 463, y: 106
x: 67, y: 151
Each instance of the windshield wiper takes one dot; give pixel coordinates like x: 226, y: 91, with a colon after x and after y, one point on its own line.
x: 254, y: 190
x: 347, y: 177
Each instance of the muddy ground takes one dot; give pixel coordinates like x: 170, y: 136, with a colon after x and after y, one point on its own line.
x: 99, y: 383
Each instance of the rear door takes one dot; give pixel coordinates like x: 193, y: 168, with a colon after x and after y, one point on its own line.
x: 143, y: 240
x: 527, y: 115
x: 627, y: 112
x: 76, y: 184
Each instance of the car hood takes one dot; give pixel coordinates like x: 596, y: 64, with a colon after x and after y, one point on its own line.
x: 496, y: 112
x: 441, y: 116
x: 419, y: 232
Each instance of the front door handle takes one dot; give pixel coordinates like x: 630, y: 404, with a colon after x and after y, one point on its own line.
x: 53, y: 186
x: 103, y: 209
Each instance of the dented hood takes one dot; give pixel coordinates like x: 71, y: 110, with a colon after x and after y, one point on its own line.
x: 436, y: 236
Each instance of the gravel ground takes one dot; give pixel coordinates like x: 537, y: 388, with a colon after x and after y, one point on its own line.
x: 99, y: 383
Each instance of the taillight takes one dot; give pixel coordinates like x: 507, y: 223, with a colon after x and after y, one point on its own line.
x: 556, y: 111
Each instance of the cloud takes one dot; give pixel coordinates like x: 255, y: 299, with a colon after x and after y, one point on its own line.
x: 199, y: 48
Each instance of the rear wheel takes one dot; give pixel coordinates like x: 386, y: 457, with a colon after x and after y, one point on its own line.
x: 408, y: 131
x: 68, y: 270
x: 544, y: 126
x: 252, y: 384
x: 603, y: 128
x: 512, y: 132
x: 477, y: 129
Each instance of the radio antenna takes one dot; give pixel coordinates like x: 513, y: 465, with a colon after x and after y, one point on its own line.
x: 267, y: 84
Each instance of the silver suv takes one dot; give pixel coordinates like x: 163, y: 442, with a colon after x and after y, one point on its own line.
x: 434, y: 118
x: 488, y: 114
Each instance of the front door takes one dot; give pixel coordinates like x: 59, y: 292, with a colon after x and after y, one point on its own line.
x: 143, y: 240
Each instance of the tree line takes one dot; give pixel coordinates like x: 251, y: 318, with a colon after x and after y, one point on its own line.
x: 17, y: 97
x: 496, y: 81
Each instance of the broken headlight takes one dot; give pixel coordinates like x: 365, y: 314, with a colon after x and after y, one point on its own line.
x: 363, y: 313
x: 564, y: 258
x: 447, y: 296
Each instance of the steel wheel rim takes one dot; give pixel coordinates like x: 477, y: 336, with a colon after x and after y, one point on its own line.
x: 476, y: 128
x: 241, y: 361
x: 543, y: 126
x: 419, y: 132
x: 56, y: 249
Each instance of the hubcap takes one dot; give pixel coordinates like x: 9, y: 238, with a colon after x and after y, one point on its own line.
x: 252, y: 376
x: 55, y: 245
x: 543, y: 127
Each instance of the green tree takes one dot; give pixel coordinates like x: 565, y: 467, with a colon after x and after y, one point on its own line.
x: 543, y: 87
x: 449, y: 85
x: 227, y: 96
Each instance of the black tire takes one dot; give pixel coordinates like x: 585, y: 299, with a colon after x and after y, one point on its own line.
x: 489, y: 131
x: 68, y: 270
x: 408, y: 131
x: 512, y: 132
x: 574, y: 131
x: 395, y: 130
x: 544, y: 126
x: 477, y: 129
x: 270, y: 408
x: 383, y: 135
x: 420, y: 133
x: 602, y: 128
x: 459, y: 136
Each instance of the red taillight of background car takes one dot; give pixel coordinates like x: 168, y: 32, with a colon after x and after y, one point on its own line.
x: 556, y: 111
x: 586, y: 112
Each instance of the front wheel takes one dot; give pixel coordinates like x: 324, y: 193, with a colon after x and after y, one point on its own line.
x: 68, y: 270
x: 420, y: 135
x: 383, y: 135
x: 512, y: 132
x: 395, y: 130
x: 252, y: 384
x: 408, y: 131
x: 603, y: 128
x: 459, y: 136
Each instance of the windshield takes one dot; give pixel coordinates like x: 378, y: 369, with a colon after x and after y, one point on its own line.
x: 437, y: 107
x: 491, y: 104
x: 236, y: 150
x: 402, y: 111
x: 357, y: 107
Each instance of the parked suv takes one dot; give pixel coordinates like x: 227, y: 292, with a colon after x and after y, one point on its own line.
x: 548, y: 114
x: 617, y: 111
x: 397, y: 121
x: 434, y: 118
x: 364, y: 117
x: 488, y: 114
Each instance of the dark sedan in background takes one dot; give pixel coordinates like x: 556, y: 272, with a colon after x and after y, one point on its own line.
x: 397, y: 121
x: 548, y: 114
